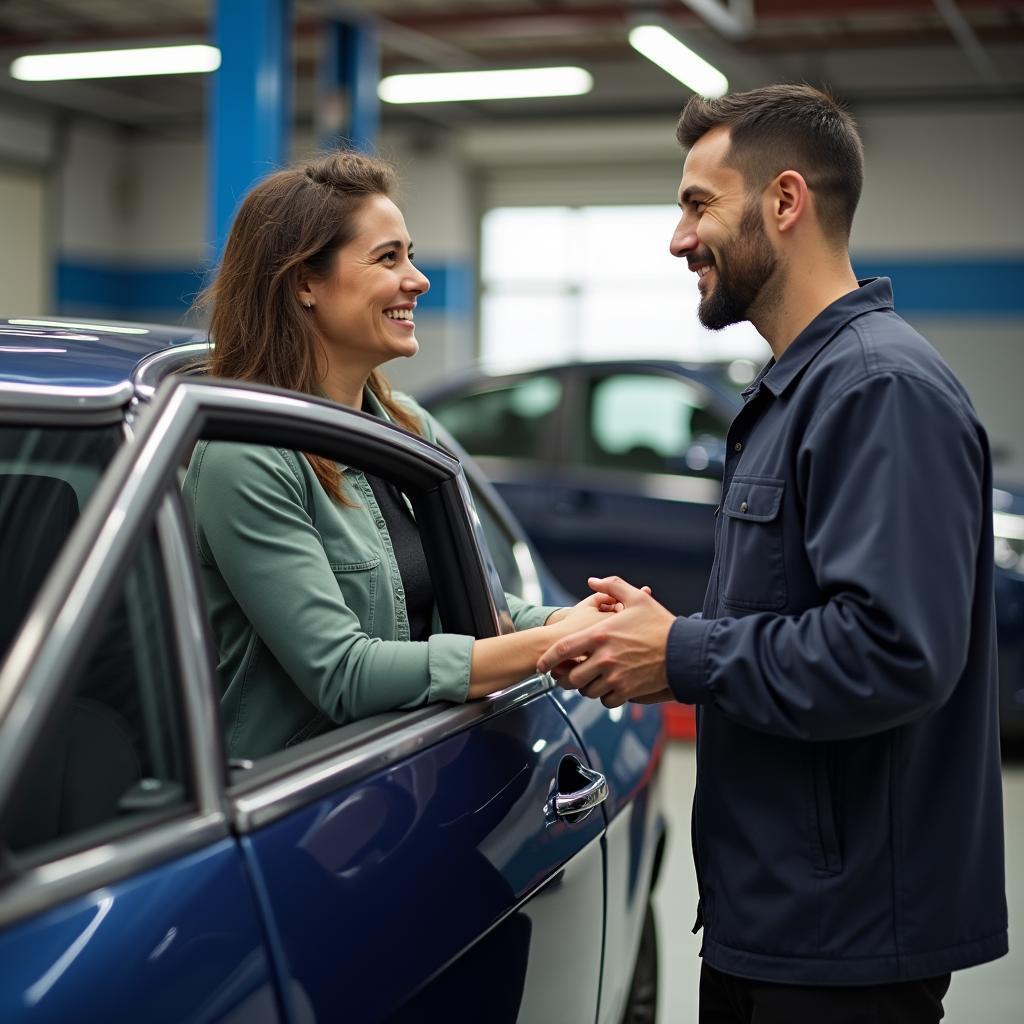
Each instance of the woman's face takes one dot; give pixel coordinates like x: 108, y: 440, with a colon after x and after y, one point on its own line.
x: 364, y: 308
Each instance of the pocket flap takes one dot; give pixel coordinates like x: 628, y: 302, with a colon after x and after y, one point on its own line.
x: 758, y: 501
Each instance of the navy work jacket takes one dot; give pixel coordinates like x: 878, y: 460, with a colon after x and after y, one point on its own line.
x: 848, y: 811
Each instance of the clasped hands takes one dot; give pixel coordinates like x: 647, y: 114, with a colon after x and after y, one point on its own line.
x: 620, y: 655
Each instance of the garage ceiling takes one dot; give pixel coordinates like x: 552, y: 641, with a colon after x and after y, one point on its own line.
x: 868, y: 51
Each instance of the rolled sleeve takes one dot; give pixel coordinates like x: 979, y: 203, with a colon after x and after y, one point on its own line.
x: 449, y: 656
x: 528, y: 616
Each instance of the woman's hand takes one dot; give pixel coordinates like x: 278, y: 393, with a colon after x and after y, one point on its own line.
x: 600, y: 602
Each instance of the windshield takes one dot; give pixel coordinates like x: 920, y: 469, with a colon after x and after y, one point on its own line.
x: 47, y: 474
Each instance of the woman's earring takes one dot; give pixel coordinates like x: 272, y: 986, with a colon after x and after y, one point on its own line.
x: 308, y: 304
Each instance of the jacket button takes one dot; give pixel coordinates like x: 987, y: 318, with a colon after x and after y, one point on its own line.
x: 380, y: 524
x: 738, y: 446
x: 743, y: 507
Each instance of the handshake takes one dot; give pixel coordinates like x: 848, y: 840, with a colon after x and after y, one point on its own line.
x: 612, y: 646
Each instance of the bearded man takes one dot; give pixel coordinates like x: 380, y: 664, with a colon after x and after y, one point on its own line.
x: 848, y: 812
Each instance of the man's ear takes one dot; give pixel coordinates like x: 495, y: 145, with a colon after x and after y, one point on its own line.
x: 790, y: 200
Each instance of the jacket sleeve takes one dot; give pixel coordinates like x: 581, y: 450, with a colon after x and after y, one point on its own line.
x: 891, y: 478
x: 526, y: 615
x: 252, y: 523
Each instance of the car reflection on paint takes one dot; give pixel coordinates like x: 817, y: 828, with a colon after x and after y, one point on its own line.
x: 615, y: 468
x: 414, y: 866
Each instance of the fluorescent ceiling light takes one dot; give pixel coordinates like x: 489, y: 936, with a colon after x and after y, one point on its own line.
x: 662, y: 48
x: 149, y: 60
x: 523, y: 83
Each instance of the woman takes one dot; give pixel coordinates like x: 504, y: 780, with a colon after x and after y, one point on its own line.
x: 316, y: 581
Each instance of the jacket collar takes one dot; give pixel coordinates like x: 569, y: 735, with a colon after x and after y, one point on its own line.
x: 874, y: 293
x: 371, y: 407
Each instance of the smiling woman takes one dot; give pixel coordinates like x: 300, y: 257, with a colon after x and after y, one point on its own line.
x: 317, y: 582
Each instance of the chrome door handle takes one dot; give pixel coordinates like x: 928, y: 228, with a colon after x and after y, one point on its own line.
x: 574, y: 806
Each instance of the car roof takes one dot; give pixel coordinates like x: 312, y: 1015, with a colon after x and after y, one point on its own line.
x: 82, y: 353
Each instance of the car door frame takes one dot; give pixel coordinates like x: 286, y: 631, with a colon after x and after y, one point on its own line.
x: 62, y: 616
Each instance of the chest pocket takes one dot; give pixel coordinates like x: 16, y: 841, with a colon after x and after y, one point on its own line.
x: 753, y: 567
x: 358, y: 583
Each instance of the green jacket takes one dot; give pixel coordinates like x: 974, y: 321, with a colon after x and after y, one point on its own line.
x: 306, y: 599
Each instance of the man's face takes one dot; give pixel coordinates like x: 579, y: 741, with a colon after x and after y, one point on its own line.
x: 721, y: 234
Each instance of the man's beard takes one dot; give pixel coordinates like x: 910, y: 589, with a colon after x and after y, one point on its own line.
x: 742, y: 268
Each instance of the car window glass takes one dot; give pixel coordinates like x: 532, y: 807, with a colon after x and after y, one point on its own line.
x: 650, y: 423
x: 113, y: 755
x: 46, y: 477
x: 500, y: 543
x: 510, y: 421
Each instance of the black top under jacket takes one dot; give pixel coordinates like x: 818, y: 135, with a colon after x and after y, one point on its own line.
x: 848, y: 813
x: 408, y: 547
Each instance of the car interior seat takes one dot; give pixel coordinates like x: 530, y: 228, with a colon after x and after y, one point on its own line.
x: 89, y: 756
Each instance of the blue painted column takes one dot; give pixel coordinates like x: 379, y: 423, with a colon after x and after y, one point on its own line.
x: 348, y: 111
x: 250, y: 111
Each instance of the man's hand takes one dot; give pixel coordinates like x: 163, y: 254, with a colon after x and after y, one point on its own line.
x: 600, y: 601
x: 624, y: 653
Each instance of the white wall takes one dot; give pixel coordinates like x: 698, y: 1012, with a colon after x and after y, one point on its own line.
x: 942, y: 183
x: 25, y: 270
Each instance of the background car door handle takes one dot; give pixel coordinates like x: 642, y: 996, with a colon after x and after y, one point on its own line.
x: 575, y: 804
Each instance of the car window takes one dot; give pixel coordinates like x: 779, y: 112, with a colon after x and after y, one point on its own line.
x: 46, y: 477
x: 650, y: 423
x: 112, y: 756
x: 500, y: 543
x: 511, y: 421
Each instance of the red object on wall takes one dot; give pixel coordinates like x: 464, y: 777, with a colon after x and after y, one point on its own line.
x: 680, y: 722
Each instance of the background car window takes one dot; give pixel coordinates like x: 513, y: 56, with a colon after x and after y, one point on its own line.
x: 510, y: 421
x: 46, y: 477
x: 652, y: 424
x: 113, y: 755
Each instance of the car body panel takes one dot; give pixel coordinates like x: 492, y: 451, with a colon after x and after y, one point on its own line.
x: 187, y: 930
x: 464, y: 821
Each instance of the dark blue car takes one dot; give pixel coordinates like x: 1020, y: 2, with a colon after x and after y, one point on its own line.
x: 492, y: 861
x: 615, y: 467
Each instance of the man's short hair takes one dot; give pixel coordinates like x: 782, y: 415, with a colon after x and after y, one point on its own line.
x: 788, y: 127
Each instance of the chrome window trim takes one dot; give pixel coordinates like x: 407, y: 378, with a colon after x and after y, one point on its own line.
x: 151, y: 371
x: 532, y: 590
x: 54, y: 396
x: 354, y: 757
x: 680, y: 487
x: 201, y: 712
x: 57, y: 881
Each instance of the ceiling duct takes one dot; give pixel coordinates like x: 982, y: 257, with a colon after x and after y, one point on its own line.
x: 733, y: 19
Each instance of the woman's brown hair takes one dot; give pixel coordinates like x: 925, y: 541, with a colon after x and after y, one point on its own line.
x: 291, y: 223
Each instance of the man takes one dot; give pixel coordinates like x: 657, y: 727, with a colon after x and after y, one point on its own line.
x: 848, y: 810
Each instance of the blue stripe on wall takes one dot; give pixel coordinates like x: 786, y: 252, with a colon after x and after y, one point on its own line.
x: 989, y: 287
x: 124, y: 291
x: 981, y: 287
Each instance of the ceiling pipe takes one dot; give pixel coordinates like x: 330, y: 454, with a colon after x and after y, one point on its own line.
x: 969, y: 42
x: 733, y: 19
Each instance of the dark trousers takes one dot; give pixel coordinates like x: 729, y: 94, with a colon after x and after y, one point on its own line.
x: 726, y: 999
